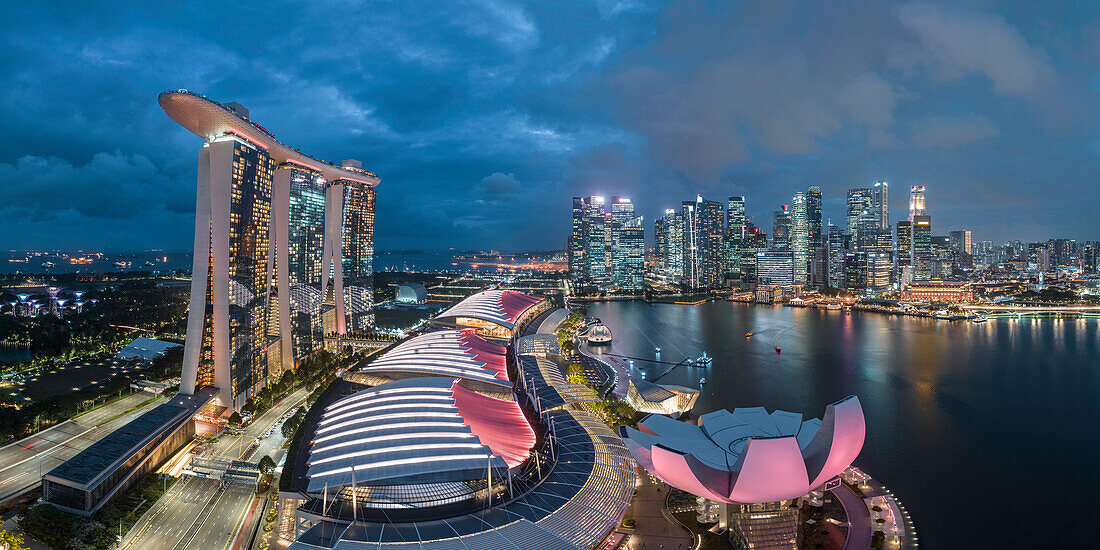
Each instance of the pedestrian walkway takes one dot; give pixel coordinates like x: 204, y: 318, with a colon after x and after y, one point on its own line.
x: 859, y: 520
x: 655, y: 529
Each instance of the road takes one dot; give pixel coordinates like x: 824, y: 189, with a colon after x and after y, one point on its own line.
x: 22, y: 463
x: 198, y: 512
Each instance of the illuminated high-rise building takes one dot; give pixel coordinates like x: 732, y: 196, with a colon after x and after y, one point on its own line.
x: 922, y: 248
x: 800, y: 239
x: 916, y: 202
x: 735, y: 218
x: 813, y: 213
x: 669, y: 243
x: 704, y: 230
x: 859, y: 204
x: 903, y: 253
x: 352, y: 202
x: 297, y: 245
x: 243, y: 242
x: 628, y: 255
x: 588, y: 243
x: 880, y: 204
x: 835, y: 255
x: 781, y: 228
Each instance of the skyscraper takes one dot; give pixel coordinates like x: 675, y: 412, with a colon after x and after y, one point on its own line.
x: 703, y: 242
x: 922, y: 248
x: 628, y: 255
x: 880, y: 204
x: 588, y: 243
x: 800, y: 239
x: 735, y: 218
x: 297, y: 245
x: 903, y: 253
x: 669, y: 241
x: 916, y: 202
x: 357, y: 201
x: 240, y: 166
x: 813, y: 212
x: 781, y: 228
x: 622, y: 211
x: 859, y: 203
x: 578, y: 259
x: 835, y: 237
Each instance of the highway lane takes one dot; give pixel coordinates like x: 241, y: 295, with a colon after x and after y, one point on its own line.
x: 22, y: 463
x: 198, y: 512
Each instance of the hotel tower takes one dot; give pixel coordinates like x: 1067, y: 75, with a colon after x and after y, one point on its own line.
x: 283, y: 251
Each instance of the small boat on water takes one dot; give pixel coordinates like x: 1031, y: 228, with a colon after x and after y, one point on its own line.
x: 749, y: 334
x: 832, y: 307
x: 702, y: 380
x: 777, y: 351
x: 979, y: 319
x: 656, y: 350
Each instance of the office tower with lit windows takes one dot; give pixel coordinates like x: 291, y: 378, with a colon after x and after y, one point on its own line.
x: 621, y: 212
x: 943, y: 258
x: 922, y: 248
x: 575, y: 247
x: 735, y: 218
x: 588, y: 243
x: 855, y: 271
x: 704, y: 230
x: 628, y: 255
x: 880, y: 204
x: 916, y: 202
x: 813, y: 213
x: 835, y: 255
x: 859, y: 203
x: 903, y: 254
x: 243, y: 245
x: 669, y: 244
x: 800, y: 240
x: 781, y: 228
x: 775, y: 267
x: 754, y: 242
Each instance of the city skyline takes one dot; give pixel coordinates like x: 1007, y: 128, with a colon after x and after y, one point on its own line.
x: 492, y: 106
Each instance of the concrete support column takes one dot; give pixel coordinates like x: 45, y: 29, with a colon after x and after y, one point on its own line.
x: 279, y: 241
x: 333, y: 256
x: 192, y: 347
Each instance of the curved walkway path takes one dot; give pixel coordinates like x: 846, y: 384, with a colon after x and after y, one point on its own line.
x: 859, y: 521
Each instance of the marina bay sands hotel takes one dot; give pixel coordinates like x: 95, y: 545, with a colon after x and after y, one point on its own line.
x: 283, y: 251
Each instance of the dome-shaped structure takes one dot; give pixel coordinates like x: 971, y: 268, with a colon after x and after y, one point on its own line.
x: 750, y: 456
x: 599, y: 334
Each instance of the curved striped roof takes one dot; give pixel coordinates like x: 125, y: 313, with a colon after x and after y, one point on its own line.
x: 415, y: 430
x: 449, y: 353
x: 499, y: 306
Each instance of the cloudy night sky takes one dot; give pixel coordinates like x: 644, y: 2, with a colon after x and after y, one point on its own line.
x: 483, y: 119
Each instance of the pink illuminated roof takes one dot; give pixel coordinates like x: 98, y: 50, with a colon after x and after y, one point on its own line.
x: 503, y: 307
x: 750, y: 455
x: 513, y: 303
x: 497, y: 423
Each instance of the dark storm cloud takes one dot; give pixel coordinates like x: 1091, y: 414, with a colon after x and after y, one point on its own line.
x: 484, y: 117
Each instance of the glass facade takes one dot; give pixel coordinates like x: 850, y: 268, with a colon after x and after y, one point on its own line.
x: 358, y: 254
x: 305, y: 243
x: 249, y: 220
